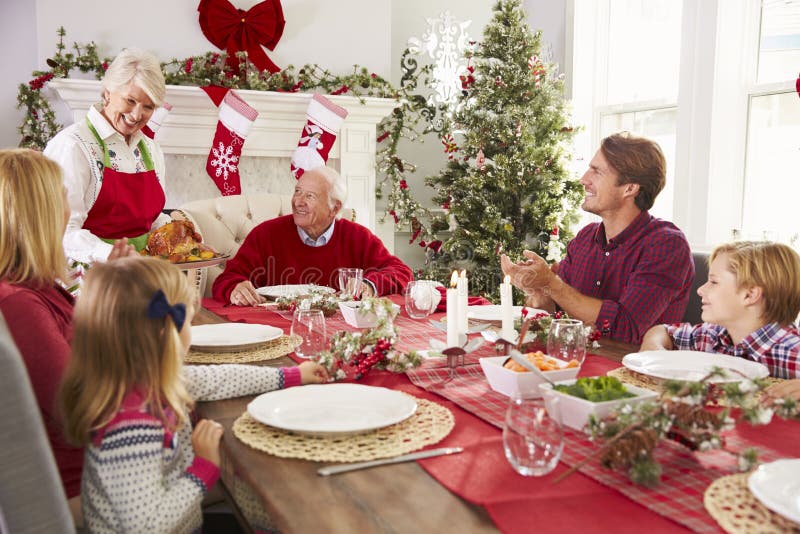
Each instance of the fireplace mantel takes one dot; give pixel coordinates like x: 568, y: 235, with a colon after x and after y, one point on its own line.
x: 189, y: 130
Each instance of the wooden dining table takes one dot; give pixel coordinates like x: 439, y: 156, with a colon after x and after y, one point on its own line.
x: 394, y: 498
x: 405, y: 497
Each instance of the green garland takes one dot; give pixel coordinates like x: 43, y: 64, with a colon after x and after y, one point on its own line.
x: 412, y: 118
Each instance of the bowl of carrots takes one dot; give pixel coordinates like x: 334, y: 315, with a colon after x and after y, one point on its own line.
x: 508, y: 377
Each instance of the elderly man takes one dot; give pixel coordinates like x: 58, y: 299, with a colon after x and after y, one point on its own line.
x: 308, y: 246
x: 628, y: 272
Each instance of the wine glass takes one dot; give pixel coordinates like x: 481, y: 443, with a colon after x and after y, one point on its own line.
x: 566, y: 340
x: 309, y: 325
x: 532, y: 437
x: 350, y: 281
x: 422, y: 297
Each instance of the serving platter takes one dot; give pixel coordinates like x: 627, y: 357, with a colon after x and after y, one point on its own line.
x: 332, y: 409
x: 199, y: 264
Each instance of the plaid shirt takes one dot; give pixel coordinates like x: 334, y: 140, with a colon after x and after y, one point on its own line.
x: 643, y: 275
x: 775, y: 346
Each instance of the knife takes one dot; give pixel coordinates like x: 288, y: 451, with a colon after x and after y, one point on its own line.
x: 343, y: 468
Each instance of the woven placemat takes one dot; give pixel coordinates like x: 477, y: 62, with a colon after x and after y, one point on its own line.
x: 655, y: 384
x: 430, y: 424
x: 731, y: 504
x: 268, y: 351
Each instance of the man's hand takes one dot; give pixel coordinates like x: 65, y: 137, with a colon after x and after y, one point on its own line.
x: 244, y: 294
x: 787, y: 388
x: 530, y: 276
x: 121, y: 249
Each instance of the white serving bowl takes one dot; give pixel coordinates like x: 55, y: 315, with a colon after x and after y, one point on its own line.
x: 350, y: 311
x: 575, y: 411
x: 526, y: 383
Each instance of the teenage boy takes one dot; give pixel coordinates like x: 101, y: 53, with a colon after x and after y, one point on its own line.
x: 750, y: 304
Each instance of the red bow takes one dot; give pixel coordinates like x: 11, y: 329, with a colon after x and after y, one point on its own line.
x: 236, y: 30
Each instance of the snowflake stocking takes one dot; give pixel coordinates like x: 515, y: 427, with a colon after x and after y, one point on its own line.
x: 156, y: 120
x: 323, y: 121
x: 235, y: 121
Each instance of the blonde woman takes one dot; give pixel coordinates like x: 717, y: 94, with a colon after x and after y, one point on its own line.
x: 126, y: 397
x: 37, y: 310
x: 113, y: 173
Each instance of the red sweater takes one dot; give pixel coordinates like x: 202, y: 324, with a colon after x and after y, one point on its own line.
x: 40, y: 321
x: 273, y: 254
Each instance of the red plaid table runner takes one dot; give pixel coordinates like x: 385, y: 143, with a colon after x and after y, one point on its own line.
x: 685, y: 475
x: 413, y: 334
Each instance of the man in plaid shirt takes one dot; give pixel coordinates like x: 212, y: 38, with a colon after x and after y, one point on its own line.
x: 628, y: 272
x: 750, y: 303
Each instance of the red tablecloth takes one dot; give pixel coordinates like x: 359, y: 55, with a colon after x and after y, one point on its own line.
x: 482, y: 475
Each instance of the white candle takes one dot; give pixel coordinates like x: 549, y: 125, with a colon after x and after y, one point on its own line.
x: 507, y: 310
x: 452, y: 312
x: 463, y: 302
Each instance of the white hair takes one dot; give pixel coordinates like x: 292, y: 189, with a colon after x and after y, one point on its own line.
x: 140, y: 67
x: 337, y: 186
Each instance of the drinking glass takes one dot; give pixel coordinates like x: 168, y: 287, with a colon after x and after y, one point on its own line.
x: 566, y: 340
x: 532, y: 437
x: 350, y: 280
x: 310, y: 326
x: 422, y: 297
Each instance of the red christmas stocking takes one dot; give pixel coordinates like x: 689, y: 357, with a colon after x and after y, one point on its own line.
x: 156, y: 120
x: 235, y: 121
x: 323, y: 121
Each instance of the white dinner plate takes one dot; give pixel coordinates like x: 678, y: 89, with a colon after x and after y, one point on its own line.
x: 292, y: 290
x: 332, y: 409
x: 233, y: 334
x: 691, y: 365
x: 493, y: 312
x: 777, y: 486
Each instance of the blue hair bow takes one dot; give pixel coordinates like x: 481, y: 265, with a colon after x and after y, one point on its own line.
x: 159, y: 308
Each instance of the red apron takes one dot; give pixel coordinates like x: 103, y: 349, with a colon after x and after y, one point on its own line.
x: 128, y: 202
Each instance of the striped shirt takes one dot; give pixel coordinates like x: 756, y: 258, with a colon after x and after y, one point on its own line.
x: 777, y: 347
x: 643, y: 275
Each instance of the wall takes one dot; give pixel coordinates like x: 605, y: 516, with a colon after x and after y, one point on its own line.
x: 333, y: 34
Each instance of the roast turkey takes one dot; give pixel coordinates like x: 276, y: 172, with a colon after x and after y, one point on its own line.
x: 179, y: 242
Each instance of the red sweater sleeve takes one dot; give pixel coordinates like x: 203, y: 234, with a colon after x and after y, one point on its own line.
x: 389, y: 274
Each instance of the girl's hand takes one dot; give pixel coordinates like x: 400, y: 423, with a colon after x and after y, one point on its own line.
x: 205, y: 440
x: 121, y: 249
x: 312, y: 373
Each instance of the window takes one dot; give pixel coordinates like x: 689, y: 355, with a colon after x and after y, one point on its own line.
x: 713, y: 84
x: 635, y: 85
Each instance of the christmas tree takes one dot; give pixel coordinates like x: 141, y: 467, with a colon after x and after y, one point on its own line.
x: 506, y: 186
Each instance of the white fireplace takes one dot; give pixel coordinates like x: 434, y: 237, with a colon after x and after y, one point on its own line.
x: 187, y: 133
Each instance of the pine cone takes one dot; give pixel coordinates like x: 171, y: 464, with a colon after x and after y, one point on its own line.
x: 693, y: 424
x: 625, y: 451
x: 688, y: 415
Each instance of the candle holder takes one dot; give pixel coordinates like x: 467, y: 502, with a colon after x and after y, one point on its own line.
x: 455, y: 355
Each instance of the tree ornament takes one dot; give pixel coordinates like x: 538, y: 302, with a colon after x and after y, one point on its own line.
x: 480, y: 160
x: 450, y: 147
x: 236, y: 30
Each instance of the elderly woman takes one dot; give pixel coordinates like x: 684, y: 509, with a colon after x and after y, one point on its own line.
x: 114, y: 174
x: 36, y: 308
